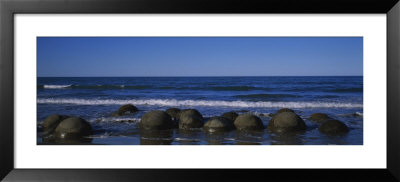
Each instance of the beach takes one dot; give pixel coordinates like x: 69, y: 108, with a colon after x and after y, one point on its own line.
x: 95, y: 99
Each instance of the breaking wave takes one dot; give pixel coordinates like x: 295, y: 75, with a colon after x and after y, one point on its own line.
x: 56, y: 86
x: 206, y: 103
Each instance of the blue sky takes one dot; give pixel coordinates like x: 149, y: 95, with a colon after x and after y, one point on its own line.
x: 199, y: 56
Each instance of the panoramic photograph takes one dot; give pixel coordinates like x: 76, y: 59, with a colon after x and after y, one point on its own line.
x: 199, y: 91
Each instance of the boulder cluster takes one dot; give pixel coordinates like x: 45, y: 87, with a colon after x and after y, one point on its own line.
x: 283, y: 121
x: 62, y: 127
x: 66, y: 129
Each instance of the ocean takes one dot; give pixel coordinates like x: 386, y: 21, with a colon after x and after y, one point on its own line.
x: 96, y: 98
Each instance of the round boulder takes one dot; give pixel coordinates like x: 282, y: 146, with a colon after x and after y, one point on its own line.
x: 156, y: 120
x: 333, y: 127
x: 248, y: 122
x: 319, y: 117
x: 286, y: 122
x: 72, y: 128
x: 284, y: 110
x: 51, y: 122
x: 230, y: 115
x: 190, y: 112
x: 126, y: 109
x: 189, y: 121
x: 218, y: 124
x: 173, y: 112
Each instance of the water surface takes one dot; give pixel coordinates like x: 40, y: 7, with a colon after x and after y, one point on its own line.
x: 95, y: 98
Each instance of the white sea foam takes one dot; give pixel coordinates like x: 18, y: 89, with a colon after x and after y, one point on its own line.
x: 105, y: 135
x: 115, y: 119
x: 206, y: 103
x: 56, y: 86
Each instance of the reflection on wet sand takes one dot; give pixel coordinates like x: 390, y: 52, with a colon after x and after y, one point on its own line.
x: 163, y: 137
x: 51, y: 140
x: 289, y: 138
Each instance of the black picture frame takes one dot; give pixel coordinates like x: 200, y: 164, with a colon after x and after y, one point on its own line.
x: 8, y: 8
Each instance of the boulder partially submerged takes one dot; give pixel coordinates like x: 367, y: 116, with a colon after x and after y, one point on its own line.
x: 156, y: 120
x: 126, y: 109
x: 286, y: 122
x: 51, y: 122
x: 230, y: 115
x: 187, y: 121
x: 284, y: 110
x: 248, y: 122
x: 191, y: 112
x: 218, y: 124
x: 173, y: 112
x: 333, y: 127
x: 319, y: 117
x: 73, y: 128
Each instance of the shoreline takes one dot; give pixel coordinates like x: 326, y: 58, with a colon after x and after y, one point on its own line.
x: 176, y: 137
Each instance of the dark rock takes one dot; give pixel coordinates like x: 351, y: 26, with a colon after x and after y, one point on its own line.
x: 284, y: 110
x: 173, y: 112
x: 248, y: 122
x: 51, y: 122
x: 187, y: 121
x: 319, y: 117
x: 72, y: 128
x: 190, y: 112
x: 230, y: 115
x: 126, y: 109
x: 218, y: 124
x: 286, y: 122
x: 333, y: 127
x: 156, y: 120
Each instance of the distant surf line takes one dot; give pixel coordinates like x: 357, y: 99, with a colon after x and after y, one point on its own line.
x: 199, y: 103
